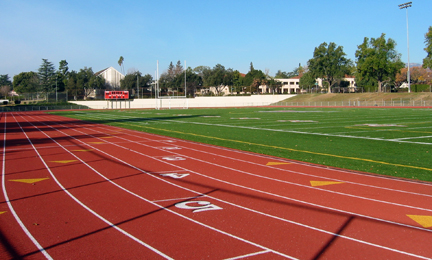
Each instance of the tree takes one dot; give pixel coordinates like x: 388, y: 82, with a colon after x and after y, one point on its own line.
x: 274, y: 85
x: 4, y: 90
x: 281, y: 75
x: 216, y: 78
x: 62, y: 75
x: 120, y: 63
x: 47, y: 76
x: 193, y: 82
x: 307, y: 80
x: 377, y: 60
x: 251, y: 75
x: 132, y: 80
x: 237, y: 81
x: 427, y: 62
x: 329, y: 63
x: 5, y: 80
x: 26, y: 82
x: 71, y: 85
x: 83, y: 82
x: 178, y: 69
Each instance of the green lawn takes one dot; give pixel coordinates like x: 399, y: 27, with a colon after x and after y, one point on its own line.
x: 390, y: 141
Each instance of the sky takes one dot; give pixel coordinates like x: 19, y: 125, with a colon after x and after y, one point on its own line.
x: 272, y: 34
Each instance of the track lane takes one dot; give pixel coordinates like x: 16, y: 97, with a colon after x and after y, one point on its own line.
x: 63, y: 217
x: 206, y: 247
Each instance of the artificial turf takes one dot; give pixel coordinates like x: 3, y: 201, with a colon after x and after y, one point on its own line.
x: 390, y: 141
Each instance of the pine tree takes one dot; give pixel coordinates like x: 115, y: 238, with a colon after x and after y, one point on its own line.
x: 47, y: 76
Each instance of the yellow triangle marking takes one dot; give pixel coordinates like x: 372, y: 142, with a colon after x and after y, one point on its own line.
x: 30, y: 181
x: 324, y: 183
x: 97, y: 142
x: 85, y: 150
x: 1, y: 212
x: 65, y: 161
x: 107, y: 137
x: 425, y: 221
x: 276, y: 163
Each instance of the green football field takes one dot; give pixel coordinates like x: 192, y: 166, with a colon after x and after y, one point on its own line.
x: 390, y: 141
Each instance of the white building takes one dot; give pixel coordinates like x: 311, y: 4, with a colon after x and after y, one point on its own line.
x: 112, y: 77
x: 292, y: 85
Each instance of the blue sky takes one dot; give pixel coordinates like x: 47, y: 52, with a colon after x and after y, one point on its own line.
x: 273, y: 34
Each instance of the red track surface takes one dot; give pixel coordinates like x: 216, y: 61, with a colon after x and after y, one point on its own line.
x: 75, y: 190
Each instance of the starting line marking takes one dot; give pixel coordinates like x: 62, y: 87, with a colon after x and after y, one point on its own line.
x: 64, y: 161
x: 277, y: 163
x: 425, y: 221
x: 29, y: 181
x: 324, y: 183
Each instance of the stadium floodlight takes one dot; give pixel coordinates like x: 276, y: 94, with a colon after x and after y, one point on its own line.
x: 405, y: 6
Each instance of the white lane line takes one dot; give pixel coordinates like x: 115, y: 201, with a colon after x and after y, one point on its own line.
x: 268, y: 193
x: 142, y: 198
x: 346, y: 172
x: 17, y: 218
x: 309, y: 187
x: 174, y: 199
x: 78, y: 201
x: 311, y: 175
x: 301, y: 185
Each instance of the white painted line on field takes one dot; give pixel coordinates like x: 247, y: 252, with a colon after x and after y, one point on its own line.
x: 301, y: 132
x: 413, y: 137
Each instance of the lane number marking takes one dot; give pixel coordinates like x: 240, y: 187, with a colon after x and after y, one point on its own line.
x: 175, y: 175
x: 197, y: 206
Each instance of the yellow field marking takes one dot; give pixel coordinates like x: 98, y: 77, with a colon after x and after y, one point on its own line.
x: 1, y: 212
x: 276, y: 163
x: 425, y: 221
x: 323, y: 183
x: 97, y: 142
x: 64, y: 161
x: 84, y: 150
x: 29, y: 181
x: 106, y: 137
x: 287, y: 149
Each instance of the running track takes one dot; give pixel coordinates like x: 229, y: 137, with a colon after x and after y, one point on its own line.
x: 77, y: 190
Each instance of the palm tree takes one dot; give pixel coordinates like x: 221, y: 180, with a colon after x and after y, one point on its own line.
x: 120, y: 63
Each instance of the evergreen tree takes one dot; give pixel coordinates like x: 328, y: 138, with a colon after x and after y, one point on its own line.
x: 47, y: 76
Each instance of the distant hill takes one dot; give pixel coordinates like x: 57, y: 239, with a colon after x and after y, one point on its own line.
x: 414, y: 65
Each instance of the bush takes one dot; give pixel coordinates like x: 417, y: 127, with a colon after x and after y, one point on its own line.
x: 420, y: 88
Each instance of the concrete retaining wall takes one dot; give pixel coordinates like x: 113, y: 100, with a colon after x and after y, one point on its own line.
x: 234, y: 101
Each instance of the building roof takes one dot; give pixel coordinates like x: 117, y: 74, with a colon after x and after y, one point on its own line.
x: 100, y: 72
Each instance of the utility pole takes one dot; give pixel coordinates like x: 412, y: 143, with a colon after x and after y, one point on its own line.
x: 405, y: 6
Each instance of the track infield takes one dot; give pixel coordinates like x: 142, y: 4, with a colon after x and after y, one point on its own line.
x: 80, y: 190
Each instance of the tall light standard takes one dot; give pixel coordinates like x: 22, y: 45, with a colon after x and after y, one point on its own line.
x: 405, y: 6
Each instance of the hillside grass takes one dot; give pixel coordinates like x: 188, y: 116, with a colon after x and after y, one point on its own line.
x: 378, y: 97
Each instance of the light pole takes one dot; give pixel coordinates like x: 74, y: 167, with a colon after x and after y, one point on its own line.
x: 405, y: 6
x: 56, y: 89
